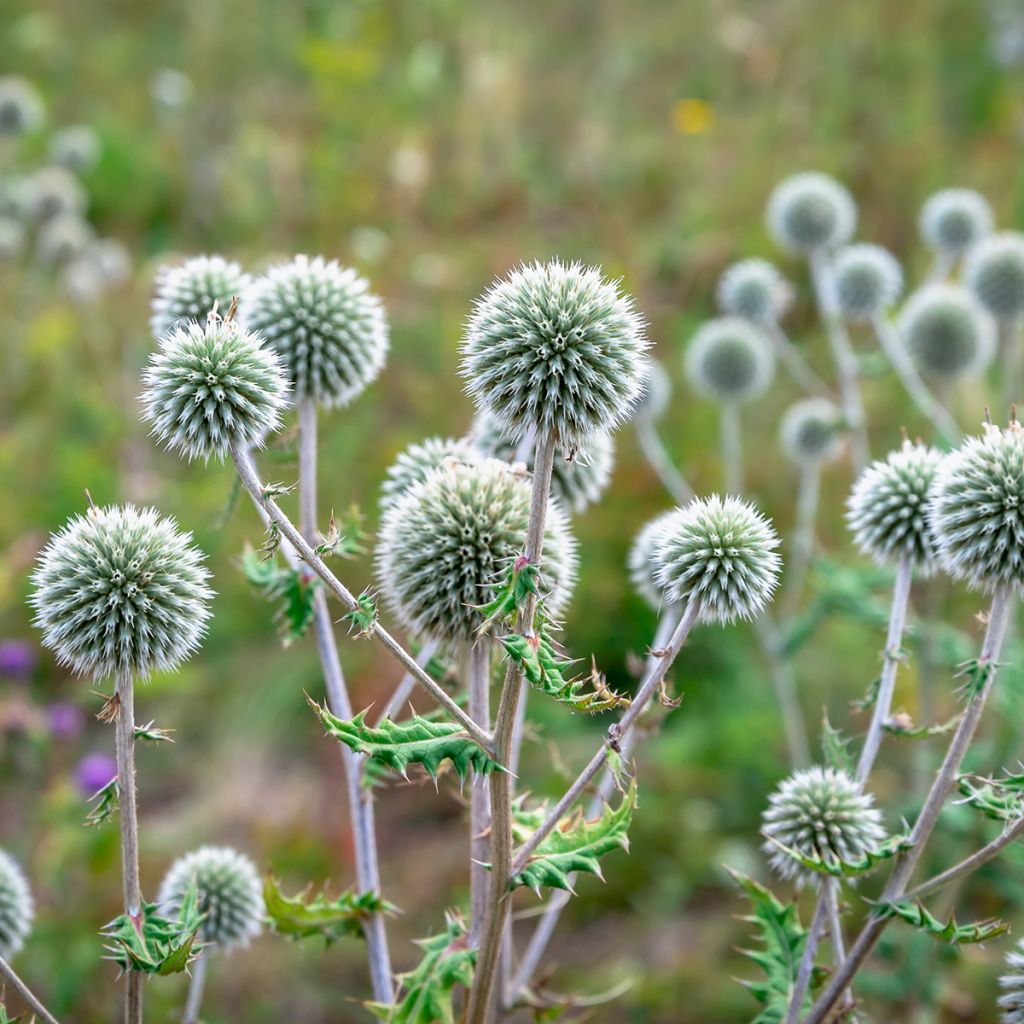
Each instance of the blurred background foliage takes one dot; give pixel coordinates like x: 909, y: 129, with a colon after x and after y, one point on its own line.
x: 433, y: 145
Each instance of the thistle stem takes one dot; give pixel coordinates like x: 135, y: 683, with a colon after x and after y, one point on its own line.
x: 784, y: 684
x: 896, y: 887
x: 1010, y: 346
x: 732, y: 447
x: 478, y: 683
x: 803, y: 974
x: 788, y: 354
x: 807, y: 497
x: 941, y: 268
x: 196, y: 987
x: 661, y: 462
x: 25, y: 994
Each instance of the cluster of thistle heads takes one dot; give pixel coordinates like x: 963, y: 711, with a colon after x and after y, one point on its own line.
x: 43, y: 201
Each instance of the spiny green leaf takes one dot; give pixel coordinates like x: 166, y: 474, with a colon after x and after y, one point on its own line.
x: 152, y: 944
x: 345, y: 541
x: 363, y: 617
x: 106, y: 800
x: 834, y: 747
x: 151, y: 734
x: 848, y: 868
x: 299, y: 917
x: 783, y: 939
x: 868, y: 701
x: 416, y: 740
x: 426, y: 993
x: 976, y: 674
x: 999, y: 799
x: 901, y: 725
x: 955, y: 934
x: 295, y: 589
x: 511, y: 596
x: 575, y: 844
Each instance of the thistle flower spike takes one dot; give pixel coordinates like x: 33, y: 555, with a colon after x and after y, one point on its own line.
x: 811, y: 431
x: 869, y: 280
x: 729, y: 360
x: 954, y: 219
x: 947, y: 332
x: 642, y: 561
x: 753, y: 290
x: 193, y: 290
x: 810, y: 211
x: 995, y: 274
x: 418, y: 461
x: 21, y: 106
x: 17, y: 909
x: 1011, y: 1002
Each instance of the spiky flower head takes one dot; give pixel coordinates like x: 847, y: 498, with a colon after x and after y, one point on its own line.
x: 655, y: 394
x: 76, y: 147
x: 121, y: 590
x: 820, y: 812
x: 579, y: 479
x: 211, y: 386
x: 326, y: 325
x: 1011, y: 1002
x: 887, y: 510
x: 21, y: 106
x: 729, y: 360
x: 230, y: 894
x: 811, y: 431
x: 447, y: 543
x: 869, y: 279
x: 16, y: 907
x: 947, y: 332
x: 976, y: 509
x: 62, y: 239
x: 53, y: 191
x: 558, y: 348
x: 954, y: 219
x: 754, y: 290
x: 995, y: 273
x: 194, y: 289
x: 811, y: 211
x: 722, y: 553
x: 418, y: 461
x: 642, y: 561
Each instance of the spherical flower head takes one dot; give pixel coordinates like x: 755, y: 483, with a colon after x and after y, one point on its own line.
x: 976, y: 509
x: 53, y: 191
x: 887, y: 510
x: 418, y: 461
x: 121, y: 590
x: 729, y: 360
x: 557, y: 348
x: 1011, y: 1002
x: 655, y: 394
x: 820, y: 812
x: 212, y: 386
x: 642, y: 561
x: 869, y: 280
x: 62, y: 239
x: 326, y: 325
x: 955, y: 219
x: 578, y: 480
x: 811, y: 431
x: 720, y: 552
x: 754, y: 290
x: 809, y: 212
x: 995, y: 273
x: 76, y: 147
x: 16, y: 907
x: 21, y: 107
x: 193, y: 290
x: 230, y: 894
x: 447, y: 544
x: 947, y: 332
x: 12, y: 239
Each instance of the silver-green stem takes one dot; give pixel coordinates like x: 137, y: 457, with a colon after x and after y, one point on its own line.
x: 196, y: 987
x: 819, y: 923
x: 732, y: 447
x: 942, y: 266
x: 788, y: 354
x: 25, y: 994
x: 661, y: 462
x: 802, y: 547
x: 478, y: 683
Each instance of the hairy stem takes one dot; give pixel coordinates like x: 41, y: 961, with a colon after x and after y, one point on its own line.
x: 196, y: 986
x: 732, y: 447
x: 802, y: 546
x: 661, y: 462
x: 25, y: 993
x: 478, y: 683
x: 788, y: 354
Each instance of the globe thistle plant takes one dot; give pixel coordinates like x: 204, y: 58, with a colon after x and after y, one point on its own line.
x: 811, y: 431
x: 887, y: 511
x: 820, y: 813
x: 445, y: 545
x: 557, y: 348
x: 642, y: 561
x: 16, y: 906
x: 1011, y: 1002
x: 418, y: 461
x: 729, y: 360
x: 947, y: 332
x: 193, y: 290
x: 230, y: 894
x: 211, y: 387
x: 326, y: 325
x: 76, y: 147
x: 868, y: 280
x: 995, y: 274
x: 753, y: 290
x: 51, y: 192
x: 810, y: 212
x: 954, y: 219
x: 61, y: 239
x: 21, y: 107
x: 722, y: 553
x: 121, y: 591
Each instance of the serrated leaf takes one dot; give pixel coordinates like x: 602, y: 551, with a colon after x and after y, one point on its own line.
x: 902, y: 726
x: 975, y: 674
x: 292, y: 589
x: 520, y: 583
x: 346, y: 540
x: 955, y: 934
x: 783, y: 940
x: 426, y: 993
x: 847, y: 868
x: 870, y: 699
x: 151, y: 734
x: 106, y: 802
x: 999, y: 799
x: 416, y: 740
x: 834, y: 748
x: 576, y: 844
x: 298, y: 917
x: 152, y: 944
x: 363, y: 617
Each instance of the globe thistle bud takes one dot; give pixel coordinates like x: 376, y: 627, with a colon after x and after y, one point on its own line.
x: 557, y: 348
x: 642, y: 561
x: 754, y: 290
x: 955, y: 219
x: 62, y: 239
x: 193, y: 290
x: 16, y: 907
x: 811, y: 431
x: 578, y: 481
x: 729, y: 360
x: 811, y: 211
x: 820, y: 812
x: 995, y: 273
x: 121, y: 590
x: 975, y: 510
x: 12, y: 239
x: 869, y: 280
x: 445, y: 545
x: 21, y: 107
x: 51, y: 192
x: 1011, y: 1002
x: 947, y: 332
x: 655, y: 394
x: 230, y: 894
x: 75, y: 147
x: 720, y: 552
x: 418, y: 461
x: 887, y: 511
x: 326, y: 325
x: 212, y: 386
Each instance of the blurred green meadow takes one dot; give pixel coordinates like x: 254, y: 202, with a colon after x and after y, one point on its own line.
x: 433, y: 146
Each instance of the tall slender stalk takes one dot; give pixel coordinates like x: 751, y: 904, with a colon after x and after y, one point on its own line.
x: 478, y: 683
x: 25, y: 994
x: 732, y: 447
x: 942, y: 266
x: 1010, y: 346
x: 819, y: 923
x: 783, y: 682
x: 196, y: 987
x: 788, y: 354
x: 807, y: 497
x: 661, y: 462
